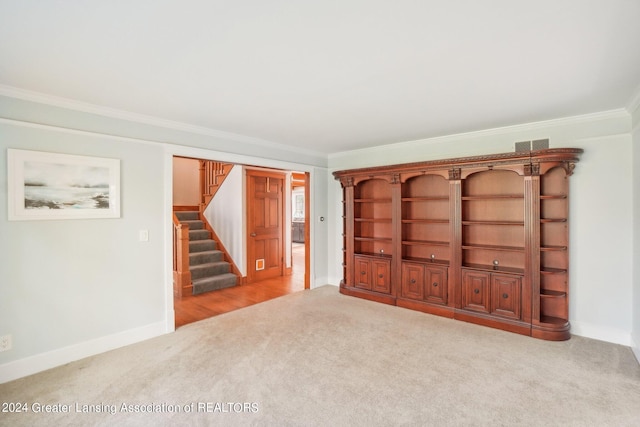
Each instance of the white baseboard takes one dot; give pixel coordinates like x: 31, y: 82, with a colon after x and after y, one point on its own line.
x: 40, y: 362
x: 602, y: 333
x: 635, y: 347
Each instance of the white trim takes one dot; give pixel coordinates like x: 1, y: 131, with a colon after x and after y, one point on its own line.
x: 525, y: 127
x: 634, y: 101
x: 85, y: 107
x: 602, y: 333
x: 635, y: 347
x: 43, y: 361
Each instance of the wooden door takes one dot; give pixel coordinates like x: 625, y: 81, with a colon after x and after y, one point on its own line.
x: 265, y: 218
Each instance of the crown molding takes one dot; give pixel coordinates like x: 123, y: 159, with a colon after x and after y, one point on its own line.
x: 85, y: 107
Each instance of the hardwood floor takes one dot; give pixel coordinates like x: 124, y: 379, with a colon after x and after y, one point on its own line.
x: 192, y: 308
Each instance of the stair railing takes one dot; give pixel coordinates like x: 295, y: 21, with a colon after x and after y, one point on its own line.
x: 181, y: 273
x: 212, y: 175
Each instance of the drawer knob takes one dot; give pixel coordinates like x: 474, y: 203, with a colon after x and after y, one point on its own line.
x: 476, y: 291
x: 413, y: 280
x: 363, y: 272
x: 435, y: 284
x: 380, y: 276
x: 505, y: 295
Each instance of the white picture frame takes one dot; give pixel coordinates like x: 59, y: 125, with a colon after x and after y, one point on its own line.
x: 46, y: 186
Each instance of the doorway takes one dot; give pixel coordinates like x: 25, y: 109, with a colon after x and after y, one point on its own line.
x: 293, y: 272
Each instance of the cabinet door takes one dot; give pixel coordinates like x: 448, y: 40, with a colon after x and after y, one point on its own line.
x: 435, y: 289
x: 362, y: 274
x: 475, y: 290
x: 381, y: 280
x: 505, y: 296
x: 412, y: 281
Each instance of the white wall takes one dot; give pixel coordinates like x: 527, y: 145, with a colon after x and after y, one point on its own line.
x: 636, y: 232
x: 186, y: 182
x: 226, y: 215
x: 70, y: 289
x: 601, y: 207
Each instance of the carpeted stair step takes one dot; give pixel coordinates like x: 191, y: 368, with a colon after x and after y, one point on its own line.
x: 199, y: 235
x: 214, y: 283
x: 209, y: 269
x: 202, y: 246
x: 187, y: 215
x: 205, y: 257
x: 194, y: 224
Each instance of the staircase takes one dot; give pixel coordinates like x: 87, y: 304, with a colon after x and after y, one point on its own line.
x: 208, y: 269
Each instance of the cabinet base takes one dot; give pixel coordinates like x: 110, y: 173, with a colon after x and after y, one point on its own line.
x: 554, y: 333
x: 486, y: 320
x: 368, y: 295
x: 438, y: 310
x: 545, y: 331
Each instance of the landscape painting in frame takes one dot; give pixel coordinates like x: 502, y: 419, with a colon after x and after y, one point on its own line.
x: 62, y: 186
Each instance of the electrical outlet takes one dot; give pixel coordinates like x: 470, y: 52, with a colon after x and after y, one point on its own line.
x: 5, y: 342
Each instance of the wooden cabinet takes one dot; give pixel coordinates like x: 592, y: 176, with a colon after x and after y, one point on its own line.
x: 373, y: 274
x: 494, y: 293
x: 482, y: 239
x: 424, y: 282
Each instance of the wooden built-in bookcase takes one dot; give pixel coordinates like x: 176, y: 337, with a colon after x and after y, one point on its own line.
x: 482, y: 239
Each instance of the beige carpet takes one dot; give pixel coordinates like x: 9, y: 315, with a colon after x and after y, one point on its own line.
x: 321, y: 358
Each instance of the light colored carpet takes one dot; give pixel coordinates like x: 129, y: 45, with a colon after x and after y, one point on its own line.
x: 320, y: 358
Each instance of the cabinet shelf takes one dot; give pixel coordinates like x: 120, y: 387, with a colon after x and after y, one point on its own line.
x: 516, y: 223
x: 440, y: 262
x: 425, y: 221
x: 424, y: 242
x: 494, y: 248
x: 550, y: 220
x: 385, y: 200
x: 372, y: 239
x: 553, y: 248
x: 552, y: 320
x: 383, y: 220
x: 493, y: 197
x: 483, y: 267
x: 373, y: 255
x: 549, y: 270
x: 426, y: 199
x: 549, y: 293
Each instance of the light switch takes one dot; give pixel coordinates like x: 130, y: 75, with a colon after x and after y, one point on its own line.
x: 144, y: 235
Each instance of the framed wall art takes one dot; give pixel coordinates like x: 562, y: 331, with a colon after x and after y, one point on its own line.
x: 44, y: 186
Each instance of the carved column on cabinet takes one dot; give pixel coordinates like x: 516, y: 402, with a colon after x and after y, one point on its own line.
x: 347, y: 184
x: 531, y: 279
x: 455, y: 230
x: 396, y: 223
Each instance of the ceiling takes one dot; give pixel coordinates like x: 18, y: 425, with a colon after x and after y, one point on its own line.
x: 327, y: 75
